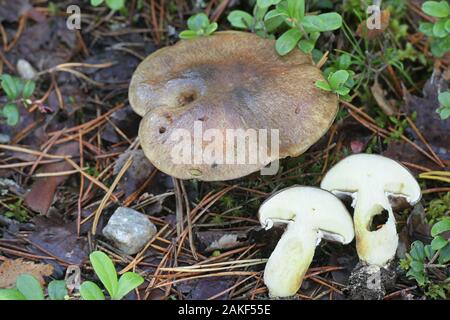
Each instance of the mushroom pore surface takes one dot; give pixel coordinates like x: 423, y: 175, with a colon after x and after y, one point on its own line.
x: 227, y: 81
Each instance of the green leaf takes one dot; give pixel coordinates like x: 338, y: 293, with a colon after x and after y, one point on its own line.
x: 447, y: 25
x: 287, y: 42
x: 440, y: 227
x: 274, y: 18
x: 436, y: 9
x: 440, y: 46
x: 96, y: 3
x: 9, y: 87
x: 417, y: 251
x: 296, y: 9
x: 28, y: 89
x: 11, y: 294
x: 259, y: 13
x: 419, y: 276
x: 323, y: 85
x: 127, y: 282
x: 211, y: 28
x: 429, y: 252
x: 444, y: 99
x: 188, y: 34
x: 338, y: 78
x: 444, y: 113
x: 344, y: 61
x: 11, y: 113
x: 266, y: 3
x: 57, y: 290
x: 198, y: 22
x: 417, y: 266
x: 438, y: 243
x: 439, y: 30
x: 323, y: 22
x: 30, y: 287
x: 306, y: 45
x: 91, y: 291
x: 426, y: 28
x: 104, y: 268
x: 444, y: 254
x: 115, y: 4
x: 342, y: 91
x: 240, y: 19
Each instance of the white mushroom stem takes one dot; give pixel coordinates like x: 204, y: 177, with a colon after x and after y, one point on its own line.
x: 290, y: 260
x: 374, y: 247
x: 311, y: 214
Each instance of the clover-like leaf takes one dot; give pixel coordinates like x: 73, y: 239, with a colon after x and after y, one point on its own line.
x: 323, y: 22
x: 90, y: 291
x: 9, y: 86
x: 198, y: 22
x: 30, y: 287
x: 440, y: 227
x: 104, y: 269
x: 436, y: 9
x: 288, y: 41
x: 57, y: 290
x: 323, y: 85
x: 127, y: 282
x: 240, y: 19
x: 11, y: 113
x: 115, y: 4
x: 338, y: 78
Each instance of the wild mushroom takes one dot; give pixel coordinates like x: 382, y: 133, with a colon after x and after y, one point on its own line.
x: 370, y: 180
x: 311, y: 214
x: 227, y: 81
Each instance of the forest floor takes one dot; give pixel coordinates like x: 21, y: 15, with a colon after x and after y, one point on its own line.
x: 63, y: 168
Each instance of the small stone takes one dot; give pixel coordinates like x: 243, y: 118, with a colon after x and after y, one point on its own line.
x: 26, y: 70
x: 129, y: 230
x: 4, y: 138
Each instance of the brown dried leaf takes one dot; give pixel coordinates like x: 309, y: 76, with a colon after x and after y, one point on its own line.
x: 11, y: 269
x: 380, y: 97
x: 43, y: 190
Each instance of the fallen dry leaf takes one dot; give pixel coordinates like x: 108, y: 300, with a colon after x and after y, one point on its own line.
x: 43, y: 190
x: 380, y: 97
x: 209, y: 241
x: 60, y: 240
x: 11, y: 269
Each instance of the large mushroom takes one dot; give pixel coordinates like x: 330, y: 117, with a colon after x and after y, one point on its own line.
x: 310, y: 214
x: 371, y: 180
x: 227, y: 81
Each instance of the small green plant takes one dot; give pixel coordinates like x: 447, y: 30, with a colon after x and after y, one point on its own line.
x: 423, y: 258
x: 16, y: 90
x: 438, y: 209
x: 339, y: 82
x: 199, y: 26
x: 17, y: 211
x: 303, y: 30
x: 104, y: 269
x: 29, y: 288
x: 438, y: 32
x: 112, y: 4
x: 444, y: 101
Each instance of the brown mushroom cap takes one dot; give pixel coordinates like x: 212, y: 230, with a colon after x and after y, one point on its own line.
x: 231, y: 80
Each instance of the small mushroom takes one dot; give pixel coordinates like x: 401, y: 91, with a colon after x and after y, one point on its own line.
x: 227, y: 81
x: 311, y: 214
x: 370, y: 180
